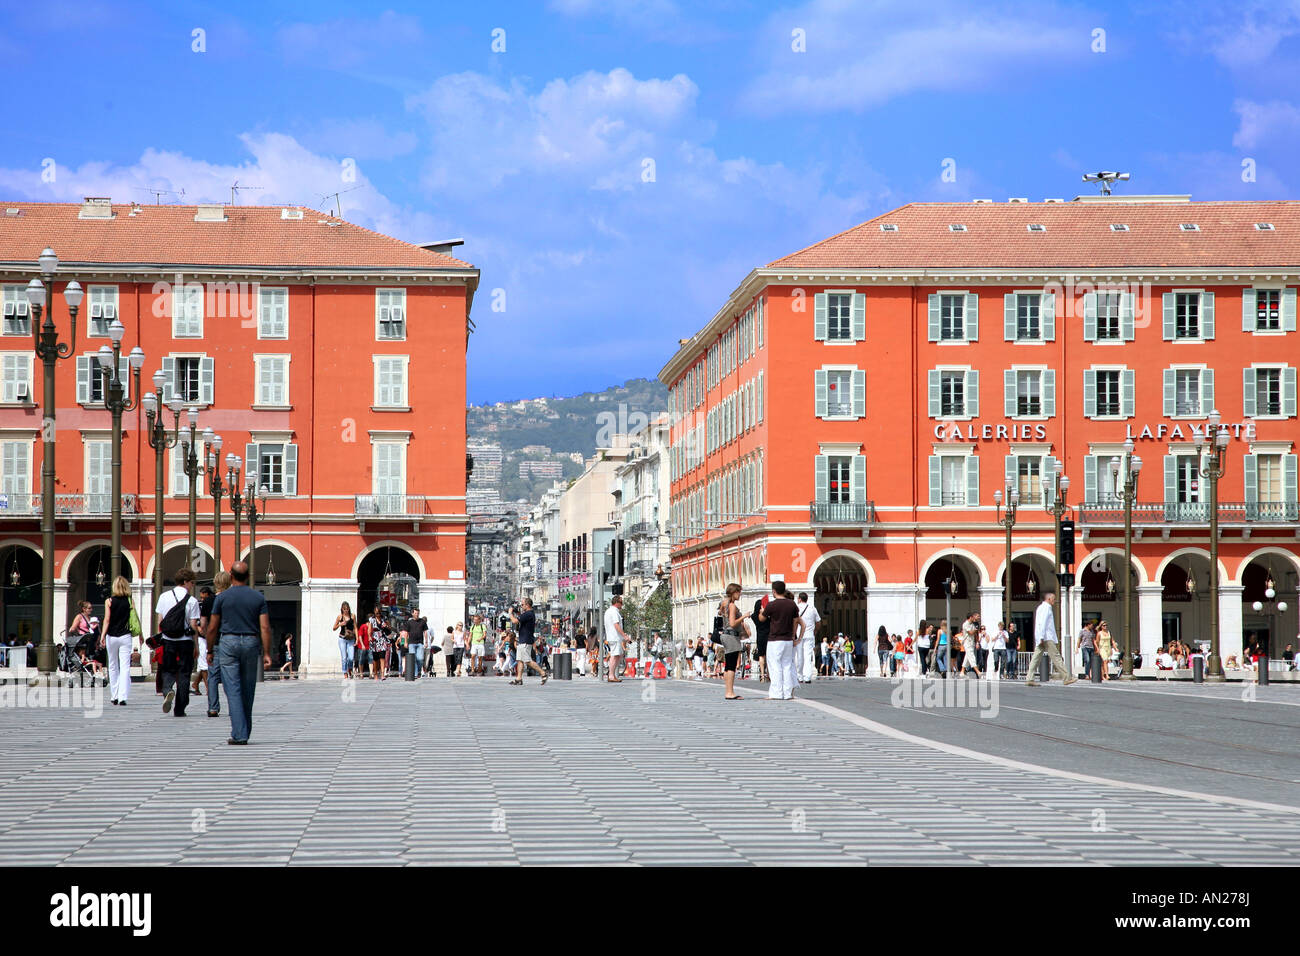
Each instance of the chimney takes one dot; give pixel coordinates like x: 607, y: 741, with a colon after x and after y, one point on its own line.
x: 96, y: 207
x: 209, y: 212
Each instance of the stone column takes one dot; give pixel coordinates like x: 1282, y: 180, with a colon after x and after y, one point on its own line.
x: 1074, y: 624
x: 319, y: 643
x: 306, y: 625
x: 61, y: 610
x: 1150, y: 627
x: 1231, y: 638
x: 990, y: 607
x: 897, y: 606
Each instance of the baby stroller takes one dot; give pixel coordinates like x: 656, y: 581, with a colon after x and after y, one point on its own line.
x: 79, y: 658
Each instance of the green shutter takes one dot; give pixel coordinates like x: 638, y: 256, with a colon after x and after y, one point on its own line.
x: 1047, y: 316
x: 1288, y: 391
x: 973, y: 393
x: 1289, y: 489
x: 1167, y: 301
x: 820, y: 477
x: 1009, y: 316
x: 83, y: 379
x: 1248, y: 310
x: 1288, y: 310
x: 1090, y: 479
x: 207, y: 375
x: 859, y: 316
x: 1009, y: 392
x: 1128, y: 392
x: 1171, y: 484
x: 1248, y: 392
x: 859, y: 488
x: 1250, y: 471
x: 1169, y: 387
x: 972, y: 481
x: 934, y: 395
x: 819, y: 393
x: 972, y: 317
x: 1207, y: 315
x: 1126, y: 310
x: 1089, y: 393
x: 290, y: 469
x: 819, y: 316
x: 1012, y: 472
x: 1049, y: 392
x: 935, y: 329
x: 936, y: 480
x: 1207, y: 390
x: 169, y: 370
x: 1090, y: 317
x: 859, y: 393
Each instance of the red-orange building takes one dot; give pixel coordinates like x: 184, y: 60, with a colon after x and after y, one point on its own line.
x: 845, y: 419
x: 329, y: 357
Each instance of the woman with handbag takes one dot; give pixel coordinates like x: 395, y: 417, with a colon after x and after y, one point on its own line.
x: 733, y: 623
x: 347, y: 631
x: 121, y: 627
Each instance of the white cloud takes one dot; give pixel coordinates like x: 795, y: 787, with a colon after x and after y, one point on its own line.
x: 1262, y: 123
x: 861, y: 55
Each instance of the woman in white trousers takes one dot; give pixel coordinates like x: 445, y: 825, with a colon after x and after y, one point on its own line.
x: 118, y: 640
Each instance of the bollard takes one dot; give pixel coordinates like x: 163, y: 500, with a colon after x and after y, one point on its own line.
x: 1198, y: 669
x: 1262, y: 675
x: 1094, y: 668
x: 1044, y: 669
x: 566, y: 666
x: 409, y: 670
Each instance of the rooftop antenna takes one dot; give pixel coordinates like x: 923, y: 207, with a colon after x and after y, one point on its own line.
x: 1105, y: 178
x: 159, y: 193
x: 234, y: 190
x: 338, y: 209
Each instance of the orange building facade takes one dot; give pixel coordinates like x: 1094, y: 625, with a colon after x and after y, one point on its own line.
x: 845, y: 420
x: 331, y: 359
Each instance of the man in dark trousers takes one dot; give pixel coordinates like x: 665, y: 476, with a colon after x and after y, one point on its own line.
x: 761, y: 628
x: 785, y: 628
x: 525, y: 622
x: 178, y: 621
x: 239, y: 627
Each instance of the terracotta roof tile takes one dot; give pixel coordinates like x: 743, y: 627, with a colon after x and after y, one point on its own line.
x: 1077, y: 236
x: 254, y: 236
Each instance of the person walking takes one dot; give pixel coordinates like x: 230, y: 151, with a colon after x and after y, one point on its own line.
x: 413, y: 639
x: 346, y: 628
x: 121, y: 627
x: 1045, y: 643
x: 364, y: 631
x: 806, y: 648
x: 1105, y: 647
x: 201, y: 675
x: 178, y: 621
x: 924, y: 634
x: 526, y: 622
x: 785, y: 628
x: 220, y: 581
x: 239, y: 628
x: 762, y: 625
x: 884, y: 649
x: 939, y: 662
x: 378, y: 649
x: 456, y: 652
x: 615, y: 638
x: 999, y: 666
x: 1013, y: 651
x: 733, y: 625
x: 477, y: 645
x: 288, y: 656
x: 1088, y: 646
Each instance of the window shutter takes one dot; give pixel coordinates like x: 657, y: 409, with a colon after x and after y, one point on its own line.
x: 207, y: 372
x: 820, y: 477
x: 1009, y: 316
x: 859, y: 393
x: 1089, y: 393
x: 83, y: 379
x: 124, y: 375
x: 1047, y: 316
x: 1171, y: 482
x: 1288, y: 391
x: 935, y: 403
x: 1127, y: 306
x: 934, y: 318
x: 1049, y: 392
x: 1248, y: 310
x: 1207, y: 315
x: 936, y: 481
x: 1090, y: 316
x: 1009, y: 392
x: 819, y: 393
x: 1169, y: 393
x: 1128, y: 392
x: 1288, y: 310
x: 819, y: 316
x: 859, y: 478
x: 1248, y: 392
x: 972, y: 481
x: 1012, y: 474
x: 252, y: 465
x: 760, y: 396
x: 1289, y: 489
x: 1250, y: 471
x: 1207, y: 390
x: 859, y: 316
x: 1090, y: 479
x: 1167, y: 301
x: 972, y: 396
x: 180, y: 480
x: 972, y: 317
x: 169, y: 369
x: 290, y: 469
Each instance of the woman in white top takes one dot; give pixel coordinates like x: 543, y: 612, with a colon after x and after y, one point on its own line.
x: 456, y: 653
x: 999, y: 653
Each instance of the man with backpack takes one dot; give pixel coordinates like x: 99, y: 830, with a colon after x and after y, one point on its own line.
x: 178, y: 621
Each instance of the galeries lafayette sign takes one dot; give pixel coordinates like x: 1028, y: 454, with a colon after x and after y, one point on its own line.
x: 976, y: 431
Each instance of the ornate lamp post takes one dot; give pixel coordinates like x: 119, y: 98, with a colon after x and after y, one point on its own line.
x: 118, y: 399
x: 234, y: 469
x: 1132, y: 467
x: 212, y: 468
x: 1211, y: 453
x: 45, y: 340
x: 251, y: 512
x: 1007, y: 520
x: 1061, y: 484
x: 192, y: 473
x: 159, y: 440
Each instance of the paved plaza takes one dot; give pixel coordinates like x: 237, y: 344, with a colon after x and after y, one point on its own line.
x: 663, y: 772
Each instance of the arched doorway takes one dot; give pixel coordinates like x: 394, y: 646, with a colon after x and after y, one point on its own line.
x: 90, y: 577
x: 963, y: 599
x: 20, y: 593
x: 1031, y: 578
x: 279, y: 574
x: 841, y: 598
x: 1273, y: 626
x: 389, y: 559
x: 1185, y: 600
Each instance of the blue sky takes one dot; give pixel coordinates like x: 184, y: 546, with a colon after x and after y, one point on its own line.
x: 536, y: 155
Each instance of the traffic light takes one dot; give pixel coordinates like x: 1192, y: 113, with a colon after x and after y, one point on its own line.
x: 1067, y: 543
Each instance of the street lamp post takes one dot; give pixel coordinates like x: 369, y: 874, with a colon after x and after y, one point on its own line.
x: 212, y: 468
x: 118, y: 399
x: 45, y: 340
x: 1210, y: 451
x: 160, y: 440
x: 1007, y: 520
x: 1057, y: 509
x: 234, y: 467
x: 192, y: 473
x: 251, y: 495
x: 1127, y: 492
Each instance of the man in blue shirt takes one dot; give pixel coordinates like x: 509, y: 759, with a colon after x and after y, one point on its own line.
x: 240, y: 622
x: 527, y: 623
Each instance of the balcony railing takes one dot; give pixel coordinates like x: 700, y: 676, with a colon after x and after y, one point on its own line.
x: 857, y: 513
x: 643, y: 528
x: 26, y: 506
x: 390, y: 506
x: 1191, y: 512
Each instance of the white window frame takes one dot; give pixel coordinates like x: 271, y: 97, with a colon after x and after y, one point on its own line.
x: 1122, y: 415
x: 201, y: 357
x: 1200, y: 337
x: 383, y: 293
x: 16, y: 296
x: 964, y: 451
x: 275, y: 291
x: 1042, y: 371
x: 970, y: 390
x: 1202, y: 410
x: 375, y: 443
x: 27, y: 358
x: 405, y: 361
x: 260, y: 363
x: 101, y: 292
x: 965, y: 294
x: 187, y: 288
x: 176, y: 468
x: 1042, y: 338
x: 89, y: 438
x: 1280, y: 368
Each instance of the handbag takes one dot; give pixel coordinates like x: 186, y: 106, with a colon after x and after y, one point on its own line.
x: 133, y: 623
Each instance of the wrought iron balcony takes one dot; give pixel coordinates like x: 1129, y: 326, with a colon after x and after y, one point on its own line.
x: 69, y: 506
x: 1191, y: 512
x: 646, y: 529
x: 854, y: 514
x: 390, y: 506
